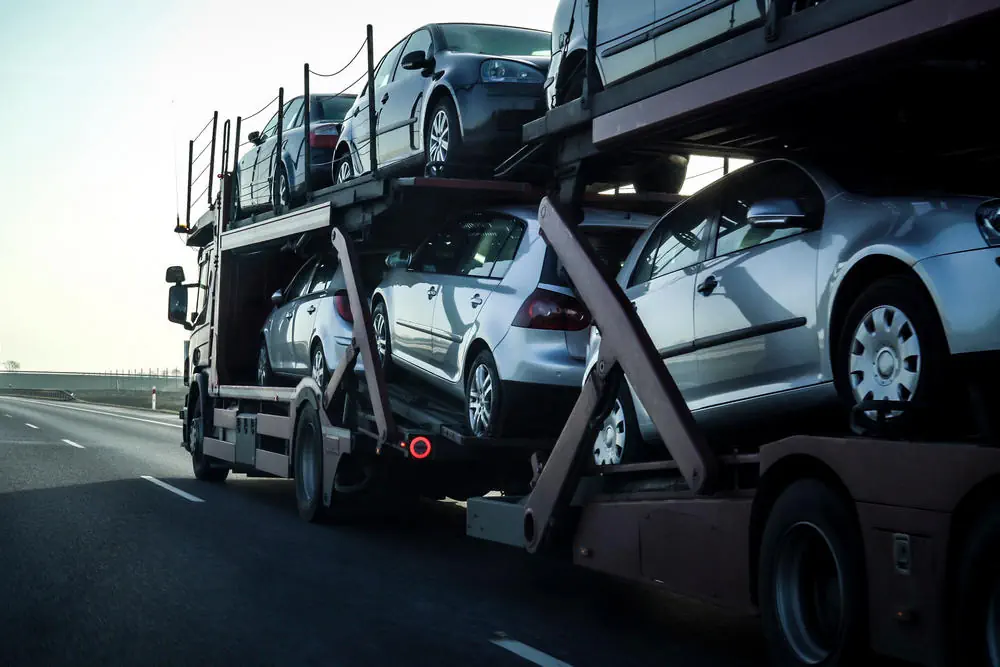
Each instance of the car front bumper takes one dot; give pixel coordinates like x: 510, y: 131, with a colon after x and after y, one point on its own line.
x: 492, y: 114
x: 960, y: 284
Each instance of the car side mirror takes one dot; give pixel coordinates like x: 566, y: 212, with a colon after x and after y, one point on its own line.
x: 175, y: 274
x: 177, y: 306
x: 398, y: 260
x: 776, y: 214
x: 278, y: 297
x: 254, y: 138
x: 415, y: 60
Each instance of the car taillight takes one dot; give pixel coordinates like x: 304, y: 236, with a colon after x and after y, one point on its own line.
x: 324, y: 136
x: 343, y: 305
x: 552, y: 310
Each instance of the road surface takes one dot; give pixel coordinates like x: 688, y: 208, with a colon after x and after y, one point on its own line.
x: 113, y: 554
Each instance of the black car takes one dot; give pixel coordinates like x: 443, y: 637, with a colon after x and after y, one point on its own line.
x: 258, y: 184
x: 448, y: 95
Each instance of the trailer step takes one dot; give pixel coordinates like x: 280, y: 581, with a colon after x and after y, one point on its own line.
x: 496, y: 519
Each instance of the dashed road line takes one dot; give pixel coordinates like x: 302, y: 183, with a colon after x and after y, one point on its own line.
x: 173, y: 489
x: 30, y: 425
x: 73, y: 444
x: 532, y: 655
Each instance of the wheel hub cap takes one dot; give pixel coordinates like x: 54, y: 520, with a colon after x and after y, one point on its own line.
x: 610, y: 443
x: 344, y: 173
x: 318, y: 372
x: 885, y: 357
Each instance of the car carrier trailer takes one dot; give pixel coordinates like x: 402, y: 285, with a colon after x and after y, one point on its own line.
x: 843, y: 545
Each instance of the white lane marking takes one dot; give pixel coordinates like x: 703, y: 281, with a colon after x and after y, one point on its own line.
x: 173, y: 489
x: 106, y: 414
x: 73, y: 444
x: 30, y: 425
x: 530, y: 654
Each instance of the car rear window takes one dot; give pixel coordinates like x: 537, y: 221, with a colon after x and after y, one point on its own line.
x: 611, y: 244
x: 332, y: 107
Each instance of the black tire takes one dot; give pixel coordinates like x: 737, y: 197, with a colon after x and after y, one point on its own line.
x: 453, y: 154
x: 618, y: 440
x: 811, y: 531
x: 318, y: 368
x: 280, y: 203
x: 380, y: 318
x: 344, y: 158
x: 265, y: 376
x: 977, y: 590
x: 308, y: 464
x: 906, y: 294
x: 205, y: 468
x: 494, y: 425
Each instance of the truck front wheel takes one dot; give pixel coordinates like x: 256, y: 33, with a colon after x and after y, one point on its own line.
x: 206, y: 468
x: 811, y: 579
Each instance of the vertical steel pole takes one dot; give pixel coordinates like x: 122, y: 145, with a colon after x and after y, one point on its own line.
x: 236, y: 146
x: 725, y: 166
x: 591, y: 63
x: 277, y: 146
x: 307, y: 144
x: 187, y: 214
x: 372, y: 142
x: 211, y: 157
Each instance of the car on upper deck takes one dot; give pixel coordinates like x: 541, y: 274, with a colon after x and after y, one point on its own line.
x: 448, y: 96
x: 482, y: 311
x: 785, y: 284
x: 263, y: 183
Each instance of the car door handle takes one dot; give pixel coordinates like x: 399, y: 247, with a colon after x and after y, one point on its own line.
x: 385, y: 98
x: 432, y: 292
x: 476, y: 301
x: 288, y: 315
x: 311, y: 309
x: 708, y: 286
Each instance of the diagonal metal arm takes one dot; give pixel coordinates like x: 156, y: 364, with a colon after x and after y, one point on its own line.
x: 623, y: 340
x: 364, y: 342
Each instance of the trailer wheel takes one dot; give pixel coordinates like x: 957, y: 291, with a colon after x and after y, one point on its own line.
x: 977, y: 594
x: 811, y: 579
x: 309, y: 464
x: 205, y: 468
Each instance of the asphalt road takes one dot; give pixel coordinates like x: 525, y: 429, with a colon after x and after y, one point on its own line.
x: 101, y: 565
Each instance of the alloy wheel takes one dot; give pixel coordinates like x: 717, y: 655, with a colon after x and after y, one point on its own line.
x: 319, y: 368
x: 480, y: 400
x: 437, y: 150
x: 378, y: 323
x: 344, y: 172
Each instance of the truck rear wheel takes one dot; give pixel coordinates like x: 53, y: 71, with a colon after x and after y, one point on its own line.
x: 977, y: 593
x: 811, y: 584
x: 309, y: 464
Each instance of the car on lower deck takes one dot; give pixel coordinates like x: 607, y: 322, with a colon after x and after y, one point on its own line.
x: 449, y: 96
x: 310, y: 327
x: 482, y: 311
x: 786, y: 285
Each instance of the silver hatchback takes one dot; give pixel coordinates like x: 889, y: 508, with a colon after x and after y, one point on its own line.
x: 482, y: 311
x: 778, y: 288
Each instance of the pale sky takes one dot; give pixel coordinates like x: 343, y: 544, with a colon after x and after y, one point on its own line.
x: 98, y: 96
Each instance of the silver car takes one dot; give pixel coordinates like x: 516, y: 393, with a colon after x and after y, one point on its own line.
x: 482, y: 311
x: 777, y: 288
x: 310, y: 328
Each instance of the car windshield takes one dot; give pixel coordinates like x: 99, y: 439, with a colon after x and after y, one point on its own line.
x: 611, y: 244
x: 333, y: 107
x: 495, y: 40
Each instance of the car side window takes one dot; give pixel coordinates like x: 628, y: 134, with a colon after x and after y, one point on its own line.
x: 439, y: 254
x: 292, y: 114
x: 679, y: 241
x: 271, y: 128
x: 484, y: 239
x: 300, y: 283
x: 385, y: 70
x: 768, y: 180
x: 508, y: 251
x: 419, y: 41
x: 323, y: 275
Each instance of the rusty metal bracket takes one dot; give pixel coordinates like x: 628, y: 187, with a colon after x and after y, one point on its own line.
x: 363, y: 343
x: 625, y: 343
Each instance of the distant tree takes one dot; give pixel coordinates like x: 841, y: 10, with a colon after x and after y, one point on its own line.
x: 12, y: 365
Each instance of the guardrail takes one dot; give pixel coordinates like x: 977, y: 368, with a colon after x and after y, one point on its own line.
x: 50, y: 394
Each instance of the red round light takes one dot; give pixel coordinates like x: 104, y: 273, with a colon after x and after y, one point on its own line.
x: 426, y: 450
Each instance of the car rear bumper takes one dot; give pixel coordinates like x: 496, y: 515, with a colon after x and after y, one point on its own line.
x: 492, y: 115
x: 537, y: 356
x: 969, y: 310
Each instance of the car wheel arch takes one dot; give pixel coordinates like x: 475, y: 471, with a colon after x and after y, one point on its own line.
x: 442, y: 89
x: 574, y: 59
x: 475, y: 347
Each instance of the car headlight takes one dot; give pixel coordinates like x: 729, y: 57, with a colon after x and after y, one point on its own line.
x: 988, y: 219
x: 508, y: 71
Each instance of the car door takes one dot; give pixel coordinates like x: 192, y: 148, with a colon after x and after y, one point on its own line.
x: 293, y: 138
x: 260, y: 194
x: 359, y: 124
x: 685, y: 24
x: 465, y: 291
x: 306, y: 308
x: 755, y: 306
x: 414, y: 296
x: 280, y: 335
x: 402, y: 100
x: 661, y: 288
x: 622, y: 44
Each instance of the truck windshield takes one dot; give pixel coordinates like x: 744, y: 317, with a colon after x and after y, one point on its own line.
x: 495, y: 40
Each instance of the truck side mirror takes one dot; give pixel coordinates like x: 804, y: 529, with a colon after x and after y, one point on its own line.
x: 177, y: 306
x: 175, y: 274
